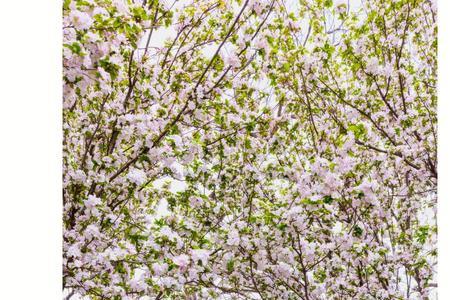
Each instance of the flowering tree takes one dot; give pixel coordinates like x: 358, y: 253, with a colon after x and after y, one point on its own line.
x: 262, y: 149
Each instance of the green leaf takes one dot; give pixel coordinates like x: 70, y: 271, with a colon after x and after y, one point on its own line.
x: 230, y: 266
x: 358, y: 130
x: 358, y: 231
x: 328, y: 3
x: 422, y: 234
x: 328, y: 199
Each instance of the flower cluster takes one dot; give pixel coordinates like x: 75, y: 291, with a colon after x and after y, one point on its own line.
x: 254, y: 149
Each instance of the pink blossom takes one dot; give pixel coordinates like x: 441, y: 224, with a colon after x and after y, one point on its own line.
x: 232, y: 60
x: 137, y: 176
x: 200, y: 255
x: 92, y: 201
x: 80, y: 20
x: 181, y: 260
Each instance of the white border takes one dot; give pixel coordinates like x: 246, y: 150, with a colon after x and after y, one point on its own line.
x: 30, y: 150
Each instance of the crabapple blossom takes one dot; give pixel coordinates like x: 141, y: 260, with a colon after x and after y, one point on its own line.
x: 249, y: 149
x: 181, y: 260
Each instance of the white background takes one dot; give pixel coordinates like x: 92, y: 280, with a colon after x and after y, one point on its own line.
x: 31, y: 149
